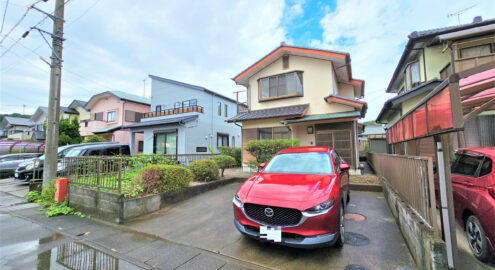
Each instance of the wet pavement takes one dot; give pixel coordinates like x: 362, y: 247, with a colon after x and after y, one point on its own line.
x: 206, y: 222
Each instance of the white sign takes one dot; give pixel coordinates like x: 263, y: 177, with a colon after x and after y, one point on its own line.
x: 269, y: 233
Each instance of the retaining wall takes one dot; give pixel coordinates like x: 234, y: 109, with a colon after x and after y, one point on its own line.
x: 116, y: 208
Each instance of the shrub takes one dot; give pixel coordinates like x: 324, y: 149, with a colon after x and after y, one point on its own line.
x: 263, y: 150
x: 174, y: 177
x: 204, y: 170
x: 32, y: 196
x: 224, y: 161
x: 47, y: 197
x: 93, y: 139
x: 149, y: 178
x: 234, y: 152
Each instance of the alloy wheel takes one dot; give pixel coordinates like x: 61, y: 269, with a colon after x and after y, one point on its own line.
x: 474, y: 237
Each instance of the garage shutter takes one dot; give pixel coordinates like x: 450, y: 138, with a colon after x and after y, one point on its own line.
x: 339, y: 136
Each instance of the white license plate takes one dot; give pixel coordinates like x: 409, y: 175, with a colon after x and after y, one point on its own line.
x: 16, y: 175
x: 271, y: 233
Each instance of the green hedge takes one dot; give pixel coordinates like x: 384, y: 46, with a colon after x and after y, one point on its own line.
x: 234, y: 152
x: 224, y: 161
x: 157, y: 179
x: 263, y: 150
x: 204, y: 170
x: 174, y: 177
x: 93, y: 139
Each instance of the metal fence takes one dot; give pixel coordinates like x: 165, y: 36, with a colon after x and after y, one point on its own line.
x: 108, y: 172
x: 412, y: 178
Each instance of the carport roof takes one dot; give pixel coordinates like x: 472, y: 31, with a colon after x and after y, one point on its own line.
x: 107, y: 129
x: 182, y: 120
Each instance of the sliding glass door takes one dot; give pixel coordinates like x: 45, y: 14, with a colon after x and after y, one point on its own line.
x: 165, y: 143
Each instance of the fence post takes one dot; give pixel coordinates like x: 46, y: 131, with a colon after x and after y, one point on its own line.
x: 120, y: 175
x: 98, y: 169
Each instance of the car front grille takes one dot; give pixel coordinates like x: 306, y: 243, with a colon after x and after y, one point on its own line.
x: 281, y: 216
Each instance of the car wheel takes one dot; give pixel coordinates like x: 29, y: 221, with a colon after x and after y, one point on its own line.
x: 477, y: 239
x: 348, y: 194
x: 340, y: 227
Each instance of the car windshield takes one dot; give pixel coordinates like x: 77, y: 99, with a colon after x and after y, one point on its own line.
x: 61, y: 151
x: 300, y: 163
x: 74, y: 153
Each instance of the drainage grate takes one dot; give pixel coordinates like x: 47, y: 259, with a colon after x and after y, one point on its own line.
x: 356, y: 239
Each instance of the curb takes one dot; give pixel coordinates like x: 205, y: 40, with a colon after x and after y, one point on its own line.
x: 366, y: 187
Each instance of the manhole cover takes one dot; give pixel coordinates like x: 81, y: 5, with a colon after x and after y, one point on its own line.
x: 355, y: 267
x: 355, y: 217
x: 356, y: 239
x: 403, y: 268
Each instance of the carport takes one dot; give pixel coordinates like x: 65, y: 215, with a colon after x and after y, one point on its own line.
x: 441, y: 115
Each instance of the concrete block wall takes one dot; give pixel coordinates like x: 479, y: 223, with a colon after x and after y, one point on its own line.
x: 428, y: 250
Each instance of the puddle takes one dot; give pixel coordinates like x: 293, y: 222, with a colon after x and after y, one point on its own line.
x: 356, y: 239
x: 79, y: 256
x: 355, y: 217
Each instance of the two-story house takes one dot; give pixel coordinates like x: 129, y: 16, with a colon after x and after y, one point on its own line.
x: 110, y: 112
x: 186, y: 119
x: 306, y: 94
x: 39, y: 119
x: 429, y: 58
x: 16, y: 128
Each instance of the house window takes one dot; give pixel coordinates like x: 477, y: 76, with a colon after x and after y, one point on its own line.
x: 285, y: 60
x: 177, y: 105
x: 222, y: 139
x: 225, y: 110
x: 158, y: 108
x: 283, y: 85
x: 185, y: 104
x: 165, y: 143
x: 445, y: 72
x: 140, y: 146
x: 476, y: 51
x: 193, y: 102
x: 412, y: 75
x: 233, y: 141
x: 98, y: 116
x: 273, y: 133
x: 111, y: 116
x: 86, y: 123
x: 219, y: 108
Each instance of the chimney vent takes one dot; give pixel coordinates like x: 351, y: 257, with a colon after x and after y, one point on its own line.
x: 477, y: 19
x: 282, y: 43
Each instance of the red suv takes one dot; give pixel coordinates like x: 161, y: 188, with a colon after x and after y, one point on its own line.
x: 473, y: 186
x: 298, y: 199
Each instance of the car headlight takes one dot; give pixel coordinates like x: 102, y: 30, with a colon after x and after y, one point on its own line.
x: 322, y: 207
x: 30, y: 166
x: 237, y: 201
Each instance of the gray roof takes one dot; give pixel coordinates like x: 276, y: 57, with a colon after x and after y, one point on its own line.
x: 131, y: 97
x: 182, y: 120
x: 448, y: 29
x: 68, y: 110
x: 19, y: 121
x: 193, y: 87
x: 373, y: 130
x: 81, y: 103
x: 296, y: 110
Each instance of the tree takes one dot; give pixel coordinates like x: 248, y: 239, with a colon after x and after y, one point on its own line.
x: 94, y: 139
x: 224, y: 161
x: 69, y: 131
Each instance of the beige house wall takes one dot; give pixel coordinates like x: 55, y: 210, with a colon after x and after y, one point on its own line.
x: 83, y: 114
x: 318, y: 82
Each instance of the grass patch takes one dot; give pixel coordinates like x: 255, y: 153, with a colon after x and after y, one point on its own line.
x: 46, y: 200
x: 368, y: 179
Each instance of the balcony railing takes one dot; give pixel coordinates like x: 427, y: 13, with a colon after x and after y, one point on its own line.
x: 173, y: 111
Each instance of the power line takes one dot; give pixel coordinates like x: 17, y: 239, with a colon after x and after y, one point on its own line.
x: 84, y: 13
x: 20, y: 20
x: 4, y: 15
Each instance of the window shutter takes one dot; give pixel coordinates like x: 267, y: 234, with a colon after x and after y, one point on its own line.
x: 98, y: 116
x: 130, y: 116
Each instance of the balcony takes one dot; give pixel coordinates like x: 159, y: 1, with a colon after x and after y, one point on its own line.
x: 173, y: 111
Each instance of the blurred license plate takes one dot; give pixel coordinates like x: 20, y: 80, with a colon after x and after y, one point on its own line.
x: 16, y: 175
x: 271, y: 233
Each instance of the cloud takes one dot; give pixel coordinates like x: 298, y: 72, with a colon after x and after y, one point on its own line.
x: 116, y: 44
x: 375, y: 32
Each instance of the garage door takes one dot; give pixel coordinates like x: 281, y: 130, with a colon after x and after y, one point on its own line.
x: 339, y: 139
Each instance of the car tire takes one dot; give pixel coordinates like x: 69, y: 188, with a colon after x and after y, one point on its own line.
x: 340, y: 227
x: 476, y: 237
x: 348, y: 194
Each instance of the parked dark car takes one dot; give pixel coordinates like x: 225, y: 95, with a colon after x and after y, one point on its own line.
x: 473, y: 187
x: 8, y: 163
x: 25, y: 171
x: 94, y: 150
x: 297, y: 200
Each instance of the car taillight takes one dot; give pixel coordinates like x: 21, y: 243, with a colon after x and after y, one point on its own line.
x: 491, y: 190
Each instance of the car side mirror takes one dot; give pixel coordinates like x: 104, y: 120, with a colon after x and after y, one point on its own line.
x: 344, y: 167
x: 262, y: 165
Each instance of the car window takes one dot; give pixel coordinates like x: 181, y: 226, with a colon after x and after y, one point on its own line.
x: 466, y: 164
x: 336, y: 160
x: 95, y: 152
x: 486, y: 167
x: 74, y: 153
x: 125, y: 150
x: 300, y: 163
x: 111, y: 151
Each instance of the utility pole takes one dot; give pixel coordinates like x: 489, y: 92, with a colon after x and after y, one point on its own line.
x: 23, y: 109
x: 50, y: 165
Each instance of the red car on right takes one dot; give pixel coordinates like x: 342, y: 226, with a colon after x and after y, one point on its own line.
x: 473, y: 186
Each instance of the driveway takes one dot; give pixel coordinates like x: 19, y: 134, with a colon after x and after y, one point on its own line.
x: 206, y: 222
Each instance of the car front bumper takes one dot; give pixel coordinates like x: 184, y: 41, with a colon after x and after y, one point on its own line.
x: 23, y: 176
x: 317, y: 241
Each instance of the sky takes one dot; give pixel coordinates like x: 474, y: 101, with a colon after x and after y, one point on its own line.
x: 116, y: 44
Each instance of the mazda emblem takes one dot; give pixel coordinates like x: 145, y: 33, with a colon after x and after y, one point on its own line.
x: 268, y: 212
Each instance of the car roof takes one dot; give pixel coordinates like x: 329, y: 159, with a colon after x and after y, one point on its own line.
x: 307, y: 149
x: 96, y: 146
x: 19, y: 154
x: 489, y: 151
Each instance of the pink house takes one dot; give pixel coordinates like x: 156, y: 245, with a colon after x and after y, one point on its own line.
x: 110, y: 112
